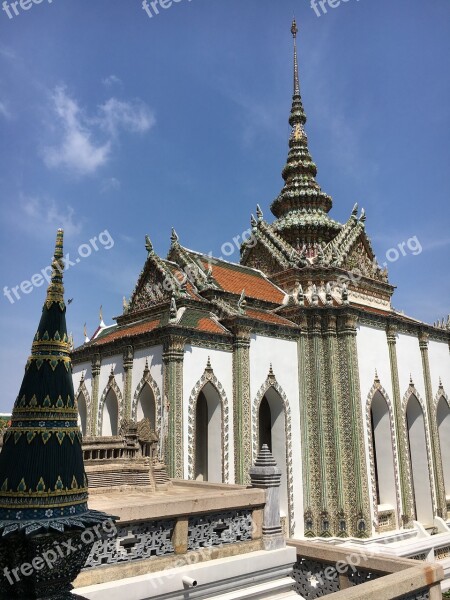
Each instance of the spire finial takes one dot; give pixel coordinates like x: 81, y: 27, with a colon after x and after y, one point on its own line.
x: 55, y: 291
x: 294, y: 31
x: 102, y: 323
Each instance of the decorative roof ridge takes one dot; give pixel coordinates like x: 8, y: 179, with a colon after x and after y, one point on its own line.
x: 185, y: 262
x: 159, y: 263
x: 262, y: 236
x: 219, y: 261
x: 290, y: 253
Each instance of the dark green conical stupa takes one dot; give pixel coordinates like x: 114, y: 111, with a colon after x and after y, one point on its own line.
x: 42, y: 479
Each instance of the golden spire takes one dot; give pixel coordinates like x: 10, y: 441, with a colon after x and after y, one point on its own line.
x: 55, y: 291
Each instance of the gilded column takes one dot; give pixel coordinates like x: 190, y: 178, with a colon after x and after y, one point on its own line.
x: 334, y: 426
x: 128, y: 357
x: 173, y: 357
x: 303, y: 377
x: 95, y: 368
x: 355, y: 461
x: 441, y: 503
x: 318, y: 381
x: 400, y: 426
x: 242, y: 405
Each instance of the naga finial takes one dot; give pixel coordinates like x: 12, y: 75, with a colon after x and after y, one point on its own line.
x: 148, y: 245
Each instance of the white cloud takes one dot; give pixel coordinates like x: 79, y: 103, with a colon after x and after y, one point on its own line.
x: 135, y: 117
x: 77, y: 151
x: 109, y: 185
x: 111, y: 80
x: 87, y: 141
x: 41, y: 215
x: 4, y: 112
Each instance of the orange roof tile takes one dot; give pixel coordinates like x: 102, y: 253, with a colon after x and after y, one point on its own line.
x: 132, y: 330
x: 209, y: 325
x: 269, y: 317
x: 234, y: 279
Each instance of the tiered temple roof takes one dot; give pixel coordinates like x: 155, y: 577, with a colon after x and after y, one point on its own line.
x: 302, y: 259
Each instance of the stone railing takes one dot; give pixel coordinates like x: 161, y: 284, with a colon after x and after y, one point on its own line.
x: 347, y: 574
x: 202, y: 522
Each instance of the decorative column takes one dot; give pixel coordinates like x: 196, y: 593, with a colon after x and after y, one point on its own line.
x: 303, y: 377
x: 267, y: 476
x: 128, y: 357
x: 334, y: 426
x: 318, y: 382
x: 441, y: 503
x: 173, y: 357
x: 355, y: 464
x: 242, y: 405
x: 400, y: 426
x: 95, y: 368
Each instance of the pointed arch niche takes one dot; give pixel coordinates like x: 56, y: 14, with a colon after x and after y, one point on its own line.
x: 442, y: 408
x: 271, y: 420
x: 83, y: 400
x: 418, y: 444
x: 208, y: 430
x: 383, y: 457
x: 110, y: 409
x: 147, y: 402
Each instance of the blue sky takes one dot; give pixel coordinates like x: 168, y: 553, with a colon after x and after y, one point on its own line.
x: 111, y: 120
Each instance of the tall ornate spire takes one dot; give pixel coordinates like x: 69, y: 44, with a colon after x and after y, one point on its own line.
x: 43, y: 482
x: 301, y: 208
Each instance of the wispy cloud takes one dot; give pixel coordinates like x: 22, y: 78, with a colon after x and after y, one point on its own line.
x: 111, y: 80
x: 6, y: 52
x: 77, y: 149
x: 4, y: 112
x: 40, y: 214
x: 110, y: 185
x: 87, y: 141
x: 134, y: 117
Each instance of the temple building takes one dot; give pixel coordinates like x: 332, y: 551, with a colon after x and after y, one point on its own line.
x: 298, y: 347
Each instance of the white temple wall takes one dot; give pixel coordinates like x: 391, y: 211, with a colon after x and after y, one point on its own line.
x: 373, y: 353
x: 195, y: 362
x: 410, y: 364
x: 439, y: 358
x: 78, y: 371
x: 283, y: 355
x: 153, y: 356
x: 105, y: 371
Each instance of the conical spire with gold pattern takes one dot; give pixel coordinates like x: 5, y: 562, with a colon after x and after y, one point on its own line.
x: 42, y: 479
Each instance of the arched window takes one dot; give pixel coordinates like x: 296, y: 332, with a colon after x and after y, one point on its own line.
x: 443, y: 422
x: 272, y: 431
x: 110, y: 414
x: 146, y: 406
x: 383, y: 450
x: 208, y: 436
x: 82, y: 413
x: 419, y: 462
